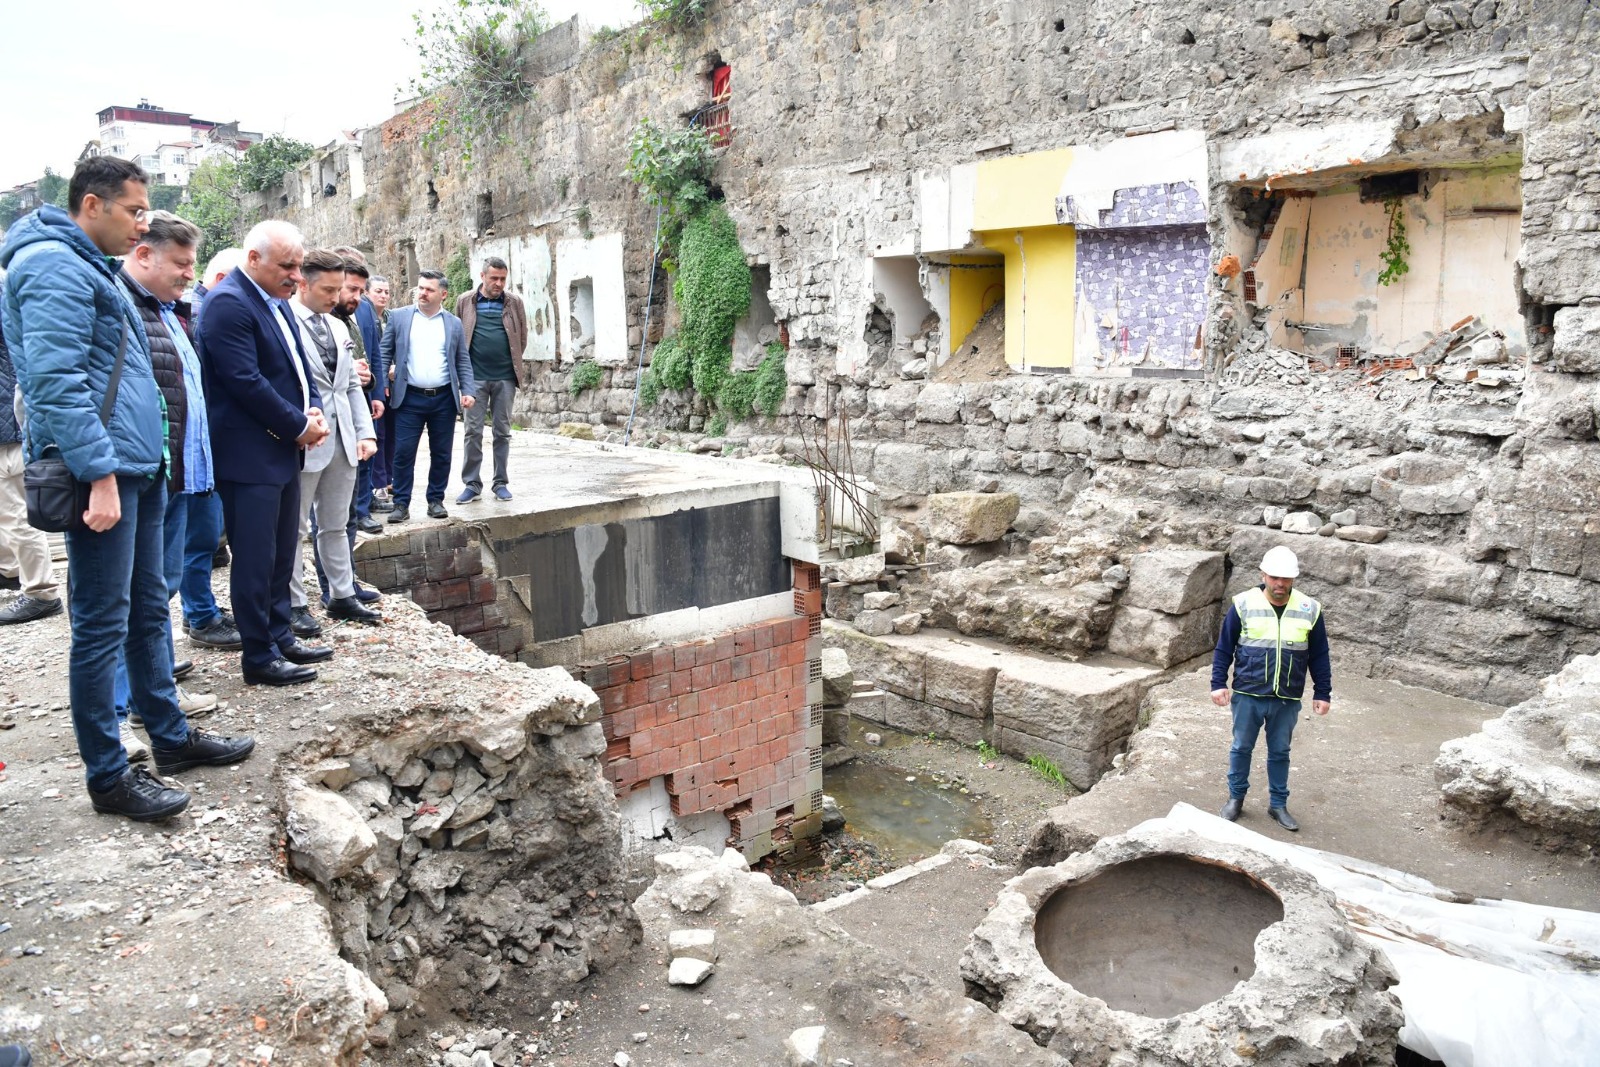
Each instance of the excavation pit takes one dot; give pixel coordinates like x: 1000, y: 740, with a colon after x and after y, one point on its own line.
x: 1158, y: 936
x: 1160, y: 946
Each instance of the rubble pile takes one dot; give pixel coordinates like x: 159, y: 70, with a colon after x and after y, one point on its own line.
x: 459, y: 843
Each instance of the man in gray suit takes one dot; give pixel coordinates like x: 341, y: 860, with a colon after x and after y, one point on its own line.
x: 433, y: 383
x: 328, y: 478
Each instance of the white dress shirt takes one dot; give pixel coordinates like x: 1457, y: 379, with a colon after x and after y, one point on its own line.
x: 428, y: 369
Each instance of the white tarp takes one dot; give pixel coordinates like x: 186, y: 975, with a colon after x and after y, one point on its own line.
x: 1484, y: 984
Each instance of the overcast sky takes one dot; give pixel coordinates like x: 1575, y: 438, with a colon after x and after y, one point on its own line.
x: 220, y: 62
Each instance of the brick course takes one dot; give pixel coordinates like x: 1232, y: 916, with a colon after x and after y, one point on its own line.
x: 442, y: 570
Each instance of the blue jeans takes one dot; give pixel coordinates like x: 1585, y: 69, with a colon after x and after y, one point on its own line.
x: 1250, y: 714
x: 363, y: 498
x: 202, y: 536
x: 438, y: 414
x: 119, y: 607
x: 173, y: 527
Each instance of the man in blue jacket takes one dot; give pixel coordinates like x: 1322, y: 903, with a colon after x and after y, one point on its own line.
x: 67, y: 320
x: 1273, y: 636
x: 432, y: 384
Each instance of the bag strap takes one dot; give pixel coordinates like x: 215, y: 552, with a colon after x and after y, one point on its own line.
x: 116, y: 379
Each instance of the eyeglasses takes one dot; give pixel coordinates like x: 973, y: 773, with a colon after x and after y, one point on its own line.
x: 139, y: 214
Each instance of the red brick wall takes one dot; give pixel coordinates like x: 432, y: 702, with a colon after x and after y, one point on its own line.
x: 441, y: 568
x: 727, y: 721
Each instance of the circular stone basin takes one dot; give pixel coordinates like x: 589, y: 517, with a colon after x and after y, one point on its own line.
x: 1158, y: 936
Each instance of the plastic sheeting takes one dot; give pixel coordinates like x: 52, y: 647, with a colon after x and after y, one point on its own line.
x: 1484, y: 983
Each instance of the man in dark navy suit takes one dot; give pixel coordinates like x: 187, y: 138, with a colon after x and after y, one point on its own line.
x: 264, y: 412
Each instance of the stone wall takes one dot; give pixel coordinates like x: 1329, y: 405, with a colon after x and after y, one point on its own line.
x: 842, y: 110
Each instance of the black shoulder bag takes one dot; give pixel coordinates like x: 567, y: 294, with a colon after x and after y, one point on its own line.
x: 57, y: 500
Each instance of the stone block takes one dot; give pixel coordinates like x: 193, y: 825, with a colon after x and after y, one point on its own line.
x: 1163, y: 639
x: 909, y: 623
x: 898, y: 543
x: 838, y: 680
x: 1084, y: 710
x: 1175, y: 581
x: 693, y: 945
x: 688, y: 972
x: 889, y: 667
x: 1367, y: 535
x: 875, y: 623
x: 901, y: 468
x: 971, y: 518
x: 1302, y: 522
x: 1576, y: 346
x: 327, y: 838
x: 835, y: 725
x: 855, y: 570
x: 880, y: 601
x: 959, y: 684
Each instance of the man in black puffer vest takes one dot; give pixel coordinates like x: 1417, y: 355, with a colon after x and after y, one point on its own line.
x: 154, y: 276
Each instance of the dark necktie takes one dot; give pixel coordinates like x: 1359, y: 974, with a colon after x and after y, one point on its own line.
x: 324, y: 340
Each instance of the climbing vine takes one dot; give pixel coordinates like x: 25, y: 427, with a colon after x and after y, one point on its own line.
x: 676, y: 13
x: 1397, y: 248
x: 458, y: 272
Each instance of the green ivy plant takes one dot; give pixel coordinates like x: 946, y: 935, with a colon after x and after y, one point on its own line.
x: 586, y: 374
x: 1397, y: 248
x: 458, y: 272
x: 712, y: 287
x: 472, y: 68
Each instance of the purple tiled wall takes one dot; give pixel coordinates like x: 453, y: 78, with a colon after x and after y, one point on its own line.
x: 1152, y: 281
x: 1167, y: 204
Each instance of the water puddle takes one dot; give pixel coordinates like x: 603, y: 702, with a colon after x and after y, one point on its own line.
x: 904, y: 820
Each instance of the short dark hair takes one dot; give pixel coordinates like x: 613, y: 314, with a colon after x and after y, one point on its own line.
x: 356, y: 267
x: 168, y: 229
x: 104, y: 176
x: 321, y: 261
x: 351, y: 252
x: 436, y: 275
x: 495, y: 263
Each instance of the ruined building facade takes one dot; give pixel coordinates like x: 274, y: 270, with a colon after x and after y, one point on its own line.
x: 1186, y: 215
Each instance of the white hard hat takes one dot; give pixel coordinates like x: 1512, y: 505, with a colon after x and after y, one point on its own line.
x: 1280, y: 562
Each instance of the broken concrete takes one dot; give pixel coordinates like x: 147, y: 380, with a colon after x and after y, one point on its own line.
x: 1213, y: 949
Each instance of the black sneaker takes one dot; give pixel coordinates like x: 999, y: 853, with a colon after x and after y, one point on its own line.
x: 221, y: 558
x: 25, y: 609
x: 203, y: 750
x: 303, y: 623
x: 140, y: 796
x: 221, y: 634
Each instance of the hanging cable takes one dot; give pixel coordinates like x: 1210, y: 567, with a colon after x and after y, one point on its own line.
x: 644, y: 338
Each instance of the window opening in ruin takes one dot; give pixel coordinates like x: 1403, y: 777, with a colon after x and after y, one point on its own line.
x: 758, y: 328
x: 485, y: 217
x: 580, y: 299
x: 897, y: 282
x: 433, y: 196
x: 716, y: 118
x: 1318, y: 263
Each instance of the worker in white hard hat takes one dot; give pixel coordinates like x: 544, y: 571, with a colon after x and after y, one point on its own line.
x: 1273, y: 636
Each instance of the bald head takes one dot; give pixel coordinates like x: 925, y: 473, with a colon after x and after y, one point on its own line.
x: 273, y: 253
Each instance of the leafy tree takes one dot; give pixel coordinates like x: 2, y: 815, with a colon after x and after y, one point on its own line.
x: 472, y: 67
x: 166, y: 197
x: 674, y: 169
x: 10, y: 210
x: 678, y: 13
x: 53, y: 189
x: 264, y: 165
x: 213, y: 203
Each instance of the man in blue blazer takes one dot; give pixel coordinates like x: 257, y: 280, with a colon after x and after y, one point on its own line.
x: 432, y: 384
x: 264, y: 412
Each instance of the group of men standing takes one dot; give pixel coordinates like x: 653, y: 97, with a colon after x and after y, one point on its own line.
x: 258, y: 411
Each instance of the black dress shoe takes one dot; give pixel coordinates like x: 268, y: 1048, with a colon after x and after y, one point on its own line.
x: 400, y: 515
x: 302, y: 653
x: 380, y: 505
x: 279, y: 672
x: 203, y: 750
x: 1231, y: 809
x: 140, y: 796
x: 182, y: 669
x: 303, y: 623
x: 351, y: 609
x: 221, y: 558
x: 369, y: 526
x: 366, y: 594
x: 436, y: 511
x: 1282, y: 817
x: 10, y: 583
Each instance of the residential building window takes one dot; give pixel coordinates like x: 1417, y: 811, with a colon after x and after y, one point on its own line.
x: 716, y: 118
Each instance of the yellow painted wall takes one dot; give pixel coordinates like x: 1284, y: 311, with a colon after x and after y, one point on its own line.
x: 1019, y: 191
x: 977, y: 283
x: 1041, y: 270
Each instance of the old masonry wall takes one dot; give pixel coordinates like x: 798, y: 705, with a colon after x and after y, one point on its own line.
x: 876, y: 147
